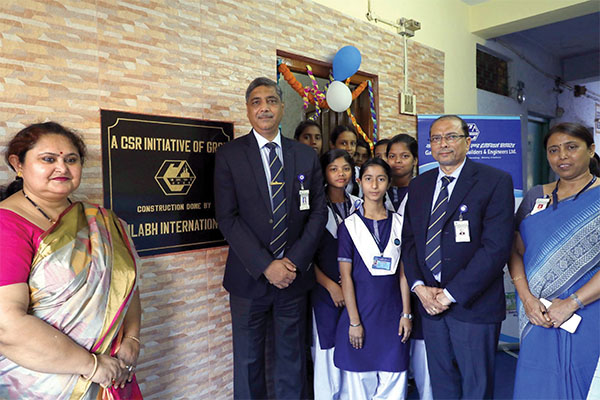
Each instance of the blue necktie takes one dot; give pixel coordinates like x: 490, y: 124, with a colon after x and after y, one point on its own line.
x: 433, y: 258
x: 279, y: 233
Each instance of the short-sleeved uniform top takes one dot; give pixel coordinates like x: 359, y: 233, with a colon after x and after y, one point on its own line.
x: 380, y: 308
x: 326, y: 313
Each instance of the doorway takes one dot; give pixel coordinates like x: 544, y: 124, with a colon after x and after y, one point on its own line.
x: 538, y: 170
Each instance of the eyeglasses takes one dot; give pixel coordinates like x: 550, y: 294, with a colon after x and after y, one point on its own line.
x: 450, y: 138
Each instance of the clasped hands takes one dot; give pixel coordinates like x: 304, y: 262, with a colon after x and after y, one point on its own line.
x: 281, y: 273
x: 116, y: 371
x: 553, y: 316
x: 433, y: 299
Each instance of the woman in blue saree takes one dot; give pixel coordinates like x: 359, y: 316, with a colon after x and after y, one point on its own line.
x: 556, y: 256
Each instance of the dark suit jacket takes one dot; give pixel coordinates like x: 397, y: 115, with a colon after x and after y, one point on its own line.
x: 471, y: 272
x: 243, y: 211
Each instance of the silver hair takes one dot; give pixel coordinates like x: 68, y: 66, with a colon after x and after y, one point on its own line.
x: 262, y: 81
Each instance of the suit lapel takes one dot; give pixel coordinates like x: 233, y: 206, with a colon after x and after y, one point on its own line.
x: 465, y: 182
x: 255, y: 161
x: 289, y: 160
x: 429, y: 182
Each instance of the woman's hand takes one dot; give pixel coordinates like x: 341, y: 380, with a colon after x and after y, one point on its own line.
x: 337, y: 296
x: 357, y: 335
x: 110, y: 371
x: 404, y: 328
x: 128, y: 353
x: 561, y: 310
x: 536, y: 312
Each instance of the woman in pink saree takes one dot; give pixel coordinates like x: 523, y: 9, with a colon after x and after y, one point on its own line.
x: 69, y: 304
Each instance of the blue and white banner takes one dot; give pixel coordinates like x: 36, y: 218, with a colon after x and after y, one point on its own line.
x: 495, y: 141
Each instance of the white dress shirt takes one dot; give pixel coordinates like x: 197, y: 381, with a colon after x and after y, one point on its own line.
x: 438, y: 187
x: 264, y: 155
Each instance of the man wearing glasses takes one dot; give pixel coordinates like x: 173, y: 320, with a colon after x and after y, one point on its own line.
x: 457, y: 236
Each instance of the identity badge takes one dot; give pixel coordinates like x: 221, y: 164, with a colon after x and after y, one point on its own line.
x: 304, y: 199
x: 540, y: 205
x: 384, y: 263
x: 461, y: 231
x: 304, y: 194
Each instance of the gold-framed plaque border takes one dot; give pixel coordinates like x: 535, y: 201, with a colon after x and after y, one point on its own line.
x: 119, y: 119
x: 110, y: 174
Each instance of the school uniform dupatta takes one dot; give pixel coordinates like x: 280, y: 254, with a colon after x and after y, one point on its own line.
x: 81, y: 282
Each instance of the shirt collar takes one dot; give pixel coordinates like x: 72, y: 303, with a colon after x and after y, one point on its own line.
x: 455, y: 174
x: 262, y: 141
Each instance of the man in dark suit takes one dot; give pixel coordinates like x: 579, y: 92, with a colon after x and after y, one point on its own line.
x: 270, y: 206
x: 457, y: 236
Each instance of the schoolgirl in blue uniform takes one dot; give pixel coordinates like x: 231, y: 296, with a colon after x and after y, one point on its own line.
x: 327, y: 297
x: 344, y: 137
x: 374, y: 327
x: 402, y: 157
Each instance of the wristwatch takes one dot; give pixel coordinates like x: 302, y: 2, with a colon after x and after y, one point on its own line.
x: 407, y: 316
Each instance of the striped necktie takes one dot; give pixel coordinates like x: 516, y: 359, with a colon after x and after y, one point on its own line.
x: 279, y: 232
x: 432, y: 247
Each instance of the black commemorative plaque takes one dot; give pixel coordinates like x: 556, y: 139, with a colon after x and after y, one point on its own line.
x: 158, y: 177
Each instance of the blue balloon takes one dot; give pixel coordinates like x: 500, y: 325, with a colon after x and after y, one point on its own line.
x: 346, y: 62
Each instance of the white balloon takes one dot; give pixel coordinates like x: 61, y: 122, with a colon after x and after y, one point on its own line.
x: 338, y: 96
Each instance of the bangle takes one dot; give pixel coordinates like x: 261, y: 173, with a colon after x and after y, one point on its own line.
x: 576, y: 299
x: 407, y: 316
x: 133, y: 338
x: 87, y: 379
x: 355, y: 325
x: 517, y: 278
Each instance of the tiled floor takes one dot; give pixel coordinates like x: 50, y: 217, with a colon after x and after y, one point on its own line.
x: 506, y: 365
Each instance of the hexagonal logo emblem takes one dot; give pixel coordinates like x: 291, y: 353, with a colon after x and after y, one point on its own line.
x: 175, y: 177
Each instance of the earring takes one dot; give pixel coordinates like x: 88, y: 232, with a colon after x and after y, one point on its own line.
x: 19, y: 174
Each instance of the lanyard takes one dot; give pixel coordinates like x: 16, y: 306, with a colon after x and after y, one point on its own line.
x: 555, y: 191
x: 336, y: 211
x: 394, y: 194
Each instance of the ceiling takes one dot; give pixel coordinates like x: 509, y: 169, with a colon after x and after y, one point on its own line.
x: 575, y: 42
x: 565, y: 39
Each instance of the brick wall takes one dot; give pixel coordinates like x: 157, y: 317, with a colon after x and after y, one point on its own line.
x: 64, y: 60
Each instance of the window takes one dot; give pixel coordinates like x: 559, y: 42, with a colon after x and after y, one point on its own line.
x: 492, y: 73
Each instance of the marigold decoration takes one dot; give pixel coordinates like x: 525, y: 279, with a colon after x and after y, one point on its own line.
x: 359, y: 89
x: 298, y: 88
x: 317, y: 97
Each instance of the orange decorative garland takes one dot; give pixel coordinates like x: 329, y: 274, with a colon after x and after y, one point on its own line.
x: 322, y: 103
x: 298, y: 88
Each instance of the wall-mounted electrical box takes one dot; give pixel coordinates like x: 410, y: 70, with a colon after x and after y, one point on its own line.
x: 408, y: 103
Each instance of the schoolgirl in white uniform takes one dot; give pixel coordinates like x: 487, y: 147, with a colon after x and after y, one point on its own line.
x: 374, y: 327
